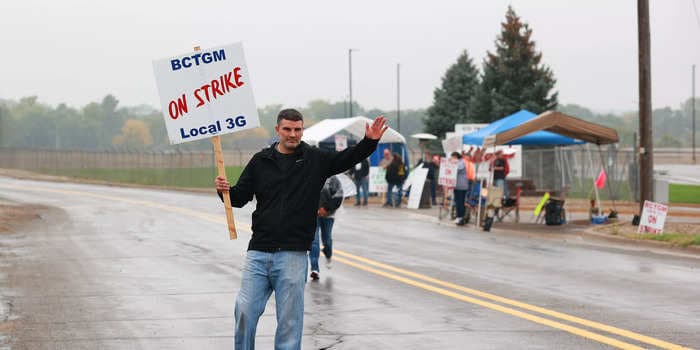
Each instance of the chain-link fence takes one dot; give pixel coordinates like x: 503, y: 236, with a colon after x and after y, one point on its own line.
x: 171, y: 168
x: 570, y: 169
x: 574, y: 169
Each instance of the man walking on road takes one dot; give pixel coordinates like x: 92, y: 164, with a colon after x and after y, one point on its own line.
x: 286, y: 180
x: 331, y: 200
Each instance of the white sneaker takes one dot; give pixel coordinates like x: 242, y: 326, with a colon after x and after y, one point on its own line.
x: 329, y: 263
x: 457, y: 220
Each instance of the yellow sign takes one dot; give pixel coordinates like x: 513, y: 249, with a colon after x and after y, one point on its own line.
x: 539, y: 206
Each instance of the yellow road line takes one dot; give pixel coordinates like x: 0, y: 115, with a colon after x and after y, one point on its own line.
x: 571, y: 329
x: 614, y: 330
x: 574, y: 330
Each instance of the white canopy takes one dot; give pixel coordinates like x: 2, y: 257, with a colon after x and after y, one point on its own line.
x: 354, y: 126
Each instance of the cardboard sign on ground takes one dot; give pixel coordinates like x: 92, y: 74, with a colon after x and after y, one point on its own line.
x: 418, y: 177
x: 653, y: 218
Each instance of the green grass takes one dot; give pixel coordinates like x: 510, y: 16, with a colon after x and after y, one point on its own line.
x: 586, y: 191
x: 684, y: 193
x: 677, y: 239
x: 171, y: 177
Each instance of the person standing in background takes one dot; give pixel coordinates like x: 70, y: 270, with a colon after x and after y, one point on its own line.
x: 360, y: 173
x: 395, y: 177
x: 461, y: 187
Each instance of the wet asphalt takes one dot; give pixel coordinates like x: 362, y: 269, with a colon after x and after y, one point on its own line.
x: 124, y: 268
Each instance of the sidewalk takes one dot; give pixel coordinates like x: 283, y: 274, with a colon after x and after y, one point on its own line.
x: 578, y: 227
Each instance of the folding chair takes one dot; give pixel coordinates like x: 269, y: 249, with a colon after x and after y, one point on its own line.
x: 509, y: 205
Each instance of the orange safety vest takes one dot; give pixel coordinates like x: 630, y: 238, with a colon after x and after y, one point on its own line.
x: 469, y: 167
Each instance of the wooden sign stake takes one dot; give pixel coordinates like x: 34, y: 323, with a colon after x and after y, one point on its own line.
x: 221, y: 169
x: 227, y: 199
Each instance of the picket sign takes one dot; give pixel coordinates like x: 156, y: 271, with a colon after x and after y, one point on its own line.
x: 205, y: 94
x: 653, y: 218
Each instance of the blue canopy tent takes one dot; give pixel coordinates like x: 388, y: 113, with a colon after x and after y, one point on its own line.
x: 538, y: 138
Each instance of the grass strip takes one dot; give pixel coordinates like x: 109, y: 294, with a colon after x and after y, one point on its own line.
x: 675, y: 239
x: 170, y: 177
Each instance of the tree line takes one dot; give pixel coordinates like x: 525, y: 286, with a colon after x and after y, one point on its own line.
x: 513, y: 77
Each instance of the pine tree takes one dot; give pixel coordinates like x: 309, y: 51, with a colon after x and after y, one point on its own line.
x: 453, y: 102
x: 513, y: 77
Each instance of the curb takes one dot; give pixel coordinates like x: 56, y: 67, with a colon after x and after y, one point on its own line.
x: 692, y: 249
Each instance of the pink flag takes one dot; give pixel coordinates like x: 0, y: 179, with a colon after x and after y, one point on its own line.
x: 600, y: 181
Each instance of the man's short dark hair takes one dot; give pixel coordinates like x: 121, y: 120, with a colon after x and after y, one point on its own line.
x: 289, y: 114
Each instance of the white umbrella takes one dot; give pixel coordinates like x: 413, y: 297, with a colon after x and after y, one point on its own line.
x: 347, y: 184
x: 424, y: 136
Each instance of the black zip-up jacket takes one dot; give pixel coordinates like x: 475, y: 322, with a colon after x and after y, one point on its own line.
x: 287, y: 201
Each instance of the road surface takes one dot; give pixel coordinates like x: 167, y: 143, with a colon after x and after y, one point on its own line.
x: 125, y: 268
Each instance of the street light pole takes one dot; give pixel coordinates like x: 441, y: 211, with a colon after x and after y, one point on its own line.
x: 350, y: 80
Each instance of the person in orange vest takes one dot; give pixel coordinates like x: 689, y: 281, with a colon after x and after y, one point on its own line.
x: 469, y: 168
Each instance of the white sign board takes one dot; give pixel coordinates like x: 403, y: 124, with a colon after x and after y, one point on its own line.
x: 463, y: 129
x: 417, y: 177
x: 653, y: 218
x: 341, y: 142
x: 206, y: 93
x: 447, y: 176
x: 377, y: 180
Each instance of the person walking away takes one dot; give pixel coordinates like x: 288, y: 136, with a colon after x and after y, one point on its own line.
x: 286, y: 180
x: 331, y: 199
x: 395, y: 176
x: 461, y: 187
x: 360, y: 173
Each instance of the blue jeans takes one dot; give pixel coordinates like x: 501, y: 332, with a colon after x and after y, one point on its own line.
x: 460, y: 196
x: 283, y: 272
x: 324, y: 227
x: 502, y: 184
x: 390, y: 193
x: 362, y: 184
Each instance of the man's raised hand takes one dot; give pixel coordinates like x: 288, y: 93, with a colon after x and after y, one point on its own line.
x: 377, y: 129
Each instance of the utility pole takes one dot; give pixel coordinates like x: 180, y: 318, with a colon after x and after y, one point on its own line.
x: 398, y: 97
x: 692, y: 106
x: 646, y: 142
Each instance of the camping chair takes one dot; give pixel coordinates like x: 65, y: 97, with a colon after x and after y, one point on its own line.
x: 510, y: 205
x: 494, y: 198
x: 471, y: 201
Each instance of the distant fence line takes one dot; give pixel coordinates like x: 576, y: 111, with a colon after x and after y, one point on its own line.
x: 552, y: 168
x: 31, y: 159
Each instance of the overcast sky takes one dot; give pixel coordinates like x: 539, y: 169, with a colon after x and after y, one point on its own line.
x: 77, y: 51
